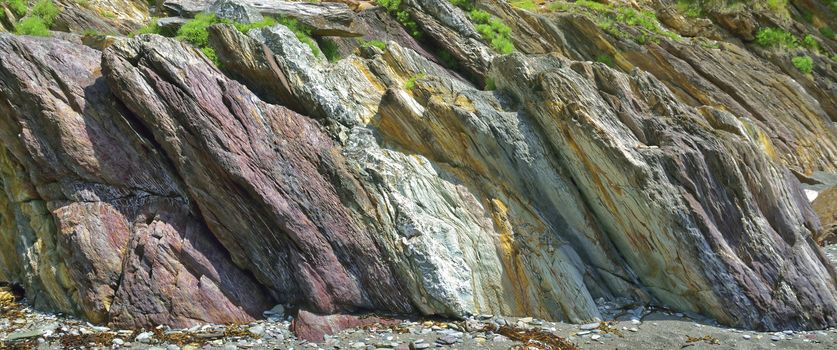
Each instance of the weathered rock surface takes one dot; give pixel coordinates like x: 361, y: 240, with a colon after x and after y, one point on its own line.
x: 324, y: 18
x: 268, y: 181
x: 144, y: 185
x: 790, y: 114
x: 825, y: 205
x: 425, y: 123
x: 95, y: 220
x: 102, y: 16
x: 449, y: 27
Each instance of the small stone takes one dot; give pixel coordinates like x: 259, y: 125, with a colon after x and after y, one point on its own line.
x: 117, y: 341
x: 230, y: 347
x: 25, y: 335
x: 583, y: 333
x: 636, y: 321
x: 788, y: 332
x: 419, y: 346
x: 775, y: 338
x: 633, y: 329
x: 746, y: 336
x: 526, y: 319
x: 447, y: 340
x: 500, y: 339
x: 144, y: 337
x: 595, y: 337
x: 589, y: 326
x: 358, y: 345
x: 256, y: 330
x: 99, y: 329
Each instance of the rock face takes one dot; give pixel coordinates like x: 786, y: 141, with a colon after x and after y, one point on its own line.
x: 825, y: 206
x: 267, y: 181
x: 143, y: 185
x: 94, y: 219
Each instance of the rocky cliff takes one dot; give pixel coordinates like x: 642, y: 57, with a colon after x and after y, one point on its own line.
x: 420, y: 157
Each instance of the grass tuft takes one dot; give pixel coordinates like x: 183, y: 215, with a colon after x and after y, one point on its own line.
x: 804, y: 63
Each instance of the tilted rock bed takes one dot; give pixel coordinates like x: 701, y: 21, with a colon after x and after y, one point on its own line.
x: 143, y: 186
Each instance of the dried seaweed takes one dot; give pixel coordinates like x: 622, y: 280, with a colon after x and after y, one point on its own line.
x: 70, y: 341
x: 607, y: 328
x: 536, y: 339
x: 25, y: 344
x: 708, y: 339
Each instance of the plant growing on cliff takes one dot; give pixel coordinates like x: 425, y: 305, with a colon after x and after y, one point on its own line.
x: 376, y: 43
x: 527, y: 5
x: 330, y: 50
x: 776, y: 38
x: 827, y: 32
x: 493, y: 30
x: 606, y: 59
x: 810, y: 43
x: 32, y: 26
x: 17, y: 7
x: 195, y: 31
x: 804, y: 63
x: 302, y: 33
x: 46, y: 10
x: 403, y: 17
x: 410, y: 84
x: 38, y: 19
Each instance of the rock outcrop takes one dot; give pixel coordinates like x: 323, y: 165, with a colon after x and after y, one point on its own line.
x: 143, y: 185
x: 95, y: 221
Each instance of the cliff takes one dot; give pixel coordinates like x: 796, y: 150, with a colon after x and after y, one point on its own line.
x: 420, y: 158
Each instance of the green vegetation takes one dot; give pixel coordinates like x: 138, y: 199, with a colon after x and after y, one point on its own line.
x: 689, y: 8
x: 493, y: 30
x: 150, y: 28
x: 447, y: 59
x: 606, y: 59
x: 32, y: 26
x: 46, y: 10
x: 698, y: 8
x: 640, y: 26
x: 374, y: 43
x: 776, y: 38
x: 804, y: 63
x: 410, y: 84
x: 528, y: 5
x: 710, y: 44
x: 195, y: 31
x: 595, y: 6
x: 330, y: 50
x: 490, y: 85
x: 466, y: 5
x: 36, y: 20
x: 302, y: 34
x: 211, y: 55
x: 265, y: 22
x: 403, y: 17
x: 17, y: 7
x: 827, y: 32
x: 810, y: 43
